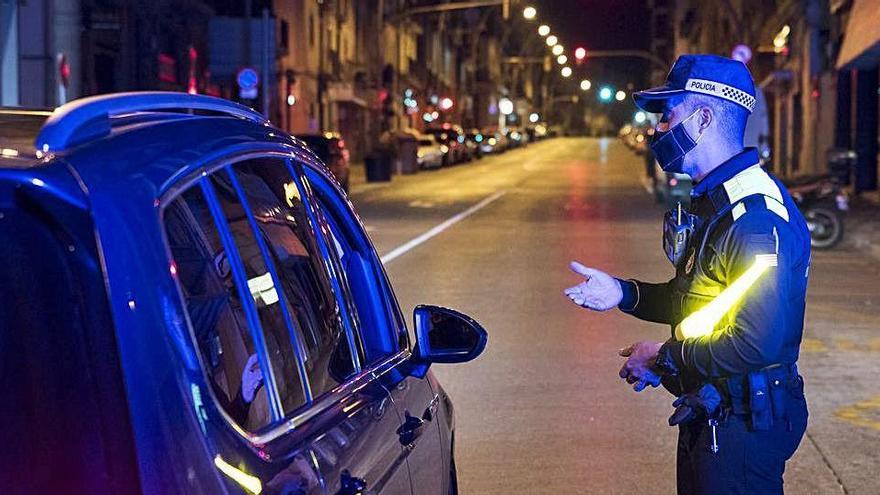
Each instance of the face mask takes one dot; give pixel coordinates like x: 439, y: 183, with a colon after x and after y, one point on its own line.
x: 670, y: 146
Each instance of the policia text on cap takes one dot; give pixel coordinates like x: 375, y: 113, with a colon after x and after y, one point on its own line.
x: 736, y: 304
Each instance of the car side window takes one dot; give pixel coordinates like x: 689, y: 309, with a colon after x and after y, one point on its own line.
x: 382, y: 329
x: 215, y: 310
x: 282, y: 220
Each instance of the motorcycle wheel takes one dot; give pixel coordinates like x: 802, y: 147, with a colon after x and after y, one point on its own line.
x: 826, y: 227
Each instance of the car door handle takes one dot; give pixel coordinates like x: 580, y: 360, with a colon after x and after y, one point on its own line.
x: 431, y: 410
x: 410, y: 430
x: 350, y: 485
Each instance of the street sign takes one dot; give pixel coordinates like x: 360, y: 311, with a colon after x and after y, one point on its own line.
x: 247, y: 79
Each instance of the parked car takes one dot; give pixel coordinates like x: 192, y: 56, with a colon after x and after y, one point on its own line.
x: 473, y: 140
x: 430, y: 153
x: 330, y: 148
x: 193, y: 307
x: 493, y: 141
x: 450, y: 137
x: 515, y: 138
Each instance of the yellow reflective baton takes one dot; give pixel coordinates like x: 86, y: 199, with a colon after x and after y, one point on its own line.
x: 703, y: 321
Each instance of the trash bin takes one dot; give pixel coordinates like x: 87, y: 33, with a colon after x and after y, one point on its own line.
x: 378, y: 166
x: 407, y: 154
x: 841, y: 163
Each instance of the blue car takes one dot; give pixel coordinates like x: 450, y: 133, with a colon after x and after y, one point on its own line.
x: 190, y: 305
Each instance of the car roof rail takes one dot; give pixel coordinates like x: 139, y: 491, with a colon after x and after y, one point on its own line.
x: 89, y: 118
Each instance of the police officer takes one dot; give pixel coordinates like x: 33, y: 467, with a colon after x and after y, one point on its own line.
x: 735, y: 307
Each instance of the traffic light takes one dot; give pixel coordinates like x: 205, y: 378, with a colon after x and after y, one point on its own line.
x: 580, y: 54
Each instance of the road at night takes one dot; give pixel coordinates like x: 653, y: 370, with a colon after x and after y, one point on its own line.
x: 543, y: 411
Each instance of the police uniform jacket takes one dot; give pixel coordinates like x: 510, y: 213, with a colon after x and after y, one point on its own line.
x: 742, y: 212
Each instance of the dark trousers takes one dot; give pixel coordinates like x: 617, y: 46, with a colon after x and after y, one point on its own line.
x: 747, y: 462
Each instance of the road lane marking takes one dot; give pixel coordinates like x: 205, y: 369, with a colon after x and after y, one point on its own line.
x: 864, y: 413
x: 403, y: 249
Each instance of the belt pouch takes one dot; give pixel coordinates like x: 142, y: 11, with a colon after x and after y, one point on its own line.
x: 759, y: 401
x: 777, y: 395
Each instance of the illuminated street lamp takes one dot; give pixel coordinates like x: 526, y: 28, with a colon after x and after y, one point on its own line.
x: 552, y: 40
x: 543, y: 30
x: 530, y: 13
x: 505, y: 106
x: 558, y: 49
x: 562, y: 59
x: 586, y: 85
x: 620, y: 95
x: 566, y: 71
x: 606, y: 93
x: 580, y: 53
x: 640, y: 117
x: 534, y: 117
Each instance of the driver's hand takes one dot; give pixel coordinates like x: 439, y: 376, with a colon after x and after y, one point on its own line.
x: 251, y: 379
x: 599, y: 291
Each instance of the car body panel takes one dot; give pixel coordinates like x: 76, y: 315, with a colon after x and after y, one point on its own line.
x: 181, y: 436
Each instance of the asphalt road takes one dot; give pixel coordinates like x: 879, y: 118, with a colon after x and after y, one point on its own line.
x: 542, y: 411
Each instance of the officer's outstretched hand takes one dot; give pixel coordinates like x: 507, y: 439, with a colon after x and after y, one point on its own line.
x: 599, y: 292
x: 637, y: 370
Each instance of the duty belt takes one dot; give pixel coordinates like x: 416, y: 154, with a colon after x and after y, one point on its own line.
x: 760, y: 394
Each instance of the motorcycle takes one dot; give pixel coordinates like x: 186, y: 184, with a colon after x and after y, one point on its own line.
x: 823, y: 203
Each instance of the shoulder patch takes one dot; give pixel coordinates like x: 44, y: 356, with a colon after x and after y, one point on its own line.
x: 738, y: 210
x: 776, y: 207
x: 753, y: 180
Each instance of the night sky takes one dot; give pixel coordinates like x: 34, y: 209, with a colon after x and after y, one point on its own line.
x: 601, y: 25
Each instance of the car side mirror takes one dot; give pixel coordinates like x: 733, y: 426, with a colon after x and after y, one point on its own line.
x: 446, y: 336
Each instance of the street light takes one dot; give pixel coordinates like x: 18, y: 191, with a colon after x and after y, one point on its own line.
x: 552, y: 40
x: 586, y: 85
x: 543, y: 30
x: 640, y: 117
x: 505, y: 106
x: 606, y: 93
x: 529, y: 13
x: 558, y: 49
x: 562, y: 59
x: 580, y: 53
x: 620, y: 95
x: 566, y: 71
x: 534, y: 117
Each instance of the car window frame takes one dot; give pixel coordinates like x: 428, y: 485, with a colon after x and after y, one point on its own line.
x: 354, y: 226
x: 199, y: 172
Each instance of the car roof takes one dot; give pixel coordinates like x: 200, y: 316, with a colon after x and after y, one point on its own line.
x: 152, y: 149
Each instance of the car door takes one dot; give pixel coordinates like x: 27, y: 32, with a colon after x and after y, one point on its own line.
x: 384, y: 333
x: 303, y: 416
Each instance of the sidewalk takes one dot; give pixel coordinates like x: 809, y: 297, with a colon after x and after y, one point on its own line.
x: 862, y: 225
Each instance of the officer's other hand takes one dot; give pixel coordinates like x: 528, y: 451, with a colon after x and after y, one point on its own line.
x: 599, y: 291
x: 637, y: 368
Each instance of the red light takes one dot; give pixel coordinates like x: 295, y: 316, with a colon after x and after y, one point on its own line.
x: 673, y: 182
x: 815, y: 93
x: 340, y: 143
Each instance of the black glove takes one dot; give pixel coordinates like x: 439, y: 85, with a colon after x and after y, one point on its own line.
x: 703, y: 403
